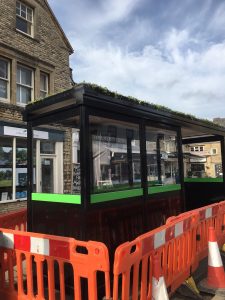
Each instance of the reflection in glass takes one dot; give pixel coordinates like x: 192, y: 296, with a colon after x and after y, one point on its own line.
x: 203, y: 160
x: 162, y: 157
x: 21, y: 169
x: 56, y: 160
x: 47, y: 147
x: 47, y: 175
x: 115, y: 155
x: 6, y: 173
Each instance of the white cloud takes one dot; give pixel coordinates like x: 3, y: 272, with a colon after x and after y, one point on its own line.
x: 171, y: 56
x: 192, y: 82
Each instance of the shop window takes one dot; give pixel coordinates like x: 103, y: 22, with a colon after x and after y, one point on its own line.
x: 162, y: 157
x: 21, y: 169
x: 24, y: 85
x: 4, y: 79
x: 44, y: 83
x: 24, y: 18
x: 6, y: 169
x: 115, y: 155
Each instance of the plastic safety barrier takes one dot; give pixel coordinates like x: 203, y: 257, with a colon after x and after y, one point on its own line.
x: 133, y: 260
x: 14, y: 220
x: 38, y: 266
x: 180, y: 244
x: 51, y: 267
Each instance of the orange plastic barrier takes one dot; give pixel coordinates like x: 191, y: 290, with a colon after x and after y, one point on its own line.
x: 174, y: 243
x: 181, y: 244
x: 38, y: 266
x: 220, y: 224
x: 14, y: 220
x: 208, y: 216
x: 45, y: 265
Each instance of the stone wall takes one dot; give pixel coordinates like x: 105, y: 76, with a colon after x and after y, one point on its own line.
x: 47, y: 51
x: 12, y: 206
x: 46, y: 48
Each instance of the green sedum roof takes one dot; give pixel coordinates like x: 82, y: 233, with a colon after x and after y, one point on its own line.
x: 105, y: 91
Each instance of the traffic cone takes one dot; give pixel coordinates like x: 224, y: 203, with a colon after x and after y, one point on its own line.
x: 159, y: 291
x: 216, y: 274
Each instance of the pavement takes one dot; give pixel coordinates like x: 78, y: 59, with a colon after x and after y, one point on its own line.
x: 186, y: 293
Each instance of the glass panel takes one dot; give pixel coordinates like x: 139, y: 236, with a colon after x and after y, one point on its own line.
x: 43, y: 94
x: 29, y: 14
x: 23, y: 94
x: 18, y: 75
x: 47, y: 147
x: 162, y: 157
x: 23, y: 12
x: 43, y: 82
x: 21, y: 169
x: 47, y: 175
x: 6, y: 172
x: 203, y: 161
x: 3, y: 89
x: 26, y: 76
x: 56, y: 163
x: 3, y: 69
x: 22, y: 25
x: 115, y: 155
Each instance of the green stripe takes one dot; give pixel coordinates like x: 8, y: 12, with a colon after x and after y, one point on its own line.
x: 203, y: 179
x: 164, y: 188
x: 60, y: 198
x: 103, y: 197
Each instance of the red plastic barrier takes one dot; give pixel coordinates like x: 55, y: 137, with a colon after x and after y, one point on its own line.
x: 174, y: 243
x: 45, y: 265
x: 180, y: 245
x: 14, y: 220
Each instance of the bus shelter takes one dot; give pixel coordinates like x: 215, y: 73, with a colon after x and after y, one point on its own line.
x: 106, y: 167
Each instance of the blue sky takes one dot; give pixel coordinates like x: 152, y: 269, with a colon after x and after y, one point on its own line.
x: 170, y: 52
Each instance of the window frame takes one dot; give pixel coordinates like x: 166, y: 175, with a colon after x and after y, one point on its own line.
x: 15, y: 140
x: 8, y: 80
x: 197, y: 148
x: 25, y: 18
x: 24, y: 85
x: 46, y: 75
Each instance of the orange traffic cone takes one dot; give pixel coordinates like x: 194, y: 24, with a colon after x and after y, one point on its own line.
x: 159, y: 291
x: 216, y: 275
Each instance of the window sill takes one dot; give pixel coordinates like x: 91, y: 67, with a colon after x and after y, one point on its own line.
x: 27, y: 35
x: 21, y: 104
x: 4, y: 100
x: 12, y: 201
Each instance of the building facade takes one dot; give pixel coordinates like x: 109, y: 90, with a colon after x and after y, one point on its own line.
x: 34, y: 63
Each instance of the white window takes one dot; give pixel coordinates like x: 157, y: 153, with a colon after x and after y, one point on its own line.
x: 44, y: 85
x: 197, y: 148
x: 4, y: 79
x: 24, y: 85
x: 24, y: 18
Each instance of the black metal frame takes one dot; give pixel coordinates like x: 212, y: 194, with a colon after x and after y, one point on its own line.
x: 142, y: 124
x: 29, y: 175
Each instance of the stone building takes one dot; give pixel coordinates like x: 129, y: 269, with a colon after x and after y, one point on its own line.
x: 34, y: 63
